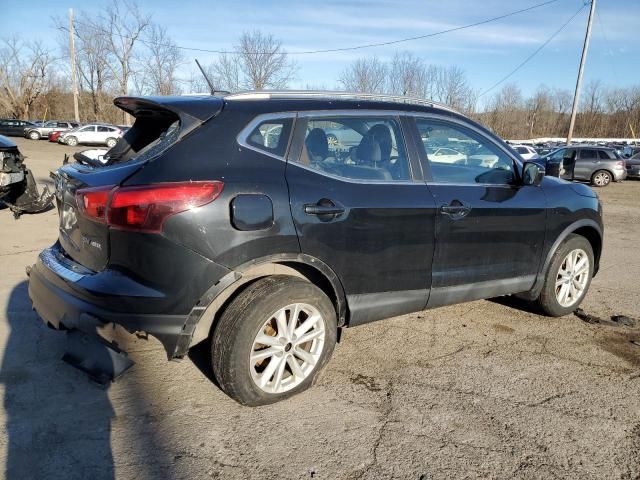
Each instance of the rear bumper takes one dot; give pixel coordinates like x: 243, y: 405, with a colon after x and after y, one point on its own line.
x: 57, y: 304
x: 619, y: 175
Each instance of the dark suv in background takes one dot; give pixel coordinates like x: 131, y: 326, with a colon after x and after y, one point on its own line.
x: 598, y: 165
x: 235, y: 221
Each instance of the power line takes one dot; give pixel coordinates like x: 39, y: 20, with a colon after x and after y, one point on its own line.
x: 530, y: 57
x: 343, y: 49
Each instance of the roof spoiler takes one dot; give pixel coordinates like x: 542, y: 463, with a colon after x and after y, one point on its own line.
x: 192, y: 111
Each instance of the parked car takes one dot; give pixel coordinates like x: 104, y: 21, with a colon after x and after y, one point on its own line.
x: 597, y: 165
x: 43, y: 131
x: 13, y: 128
x: 446, y: 155
x: 194, y: 229
x: 630, y: 150
x: 525, y: 151
x: 341, y: 136
x: 54, y: 136
x: 94, y: 134
x: 633, y: 166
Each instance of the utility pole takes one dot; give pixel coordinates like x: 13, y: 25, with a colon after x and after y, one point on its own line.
x: 74, y: 77
x: 576, y: 96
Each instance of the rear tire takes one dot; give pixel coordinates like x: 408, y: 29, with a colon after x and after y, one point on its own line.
x: 568, y: 278
x: 291, y: 354
x: 71, y: 141
x: 601, y: 178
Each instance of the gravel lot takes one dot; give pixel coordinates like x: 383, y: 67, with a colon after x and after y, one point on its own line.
x: 479, y: 390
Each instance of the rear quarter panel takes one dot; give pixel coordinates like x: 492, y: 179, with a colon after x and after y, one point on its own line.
x: 212, y: 153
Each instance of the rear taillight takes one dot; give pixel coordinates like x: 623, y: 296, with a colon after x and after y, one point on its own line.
x: 92, y: 202
x: 145, y: 208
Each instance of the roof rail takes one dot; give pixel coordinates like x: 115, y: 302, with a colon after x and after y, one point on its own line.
x: 334, y: 95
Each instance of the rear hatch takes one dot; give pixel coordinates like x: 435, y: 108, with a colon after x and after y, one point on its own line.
x: 160, y: 123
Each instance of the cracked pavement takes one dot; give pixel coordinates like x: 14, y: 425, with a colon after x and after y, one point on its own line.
x: 480, y: 390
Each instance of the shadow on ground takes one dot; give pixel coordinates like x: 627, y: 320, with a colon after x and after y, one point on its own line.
x: 58, y: 423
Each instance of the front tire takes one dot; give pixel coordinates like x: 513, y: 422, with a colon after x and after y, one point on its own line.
x: 111, y: 142
x: 273, y: 340
x: 72, y: 141
x: 601, y: 178
x: 34, y: 135
x: 568, y: 277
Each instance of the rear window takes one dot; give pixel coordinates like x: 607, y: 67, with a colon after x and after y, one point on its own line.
x: 147, y: 138
x: 523, y: 150
x: 271, y: 136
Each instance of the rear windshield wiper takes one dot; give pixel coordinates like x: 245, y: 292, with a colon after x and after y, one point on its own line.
x: 83, y: 159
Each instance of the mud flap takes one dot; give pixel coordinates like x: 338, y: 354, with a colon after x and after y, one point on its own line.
x: 102, y: 360
x: 27, y: 199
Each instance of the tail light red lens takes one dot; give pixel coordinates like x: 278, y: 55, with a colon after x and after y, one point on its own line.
x: 92, y: 202
x: 145, y: 208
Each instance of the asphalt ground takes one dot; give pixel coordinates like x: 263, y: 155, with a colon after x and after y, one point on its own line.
x: 487, y: 389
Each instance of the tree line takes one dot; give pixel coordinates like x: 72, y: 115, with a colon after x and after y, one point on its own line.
x: 123, y: 51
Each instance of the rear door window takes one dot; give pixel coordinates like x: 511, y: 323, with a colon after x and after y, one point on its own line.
x: 604, y: 155
x: 587, y: 154
x: 356, y: 147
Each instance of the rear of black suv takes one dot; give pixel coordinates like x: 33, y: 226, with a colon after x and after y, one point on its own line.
x: 143, y: 236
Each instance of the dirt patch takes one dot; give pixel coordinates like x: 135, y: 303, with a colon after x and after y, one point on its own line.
x: 368, y: 382
x: 625, y: 345
x: 502, y: 328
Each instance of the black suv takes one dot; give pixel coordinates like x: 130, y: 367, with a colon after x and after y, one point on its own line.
x: 233, y: 220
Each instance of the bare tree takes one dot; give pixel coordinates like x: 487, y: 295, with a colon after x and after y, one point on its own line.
x: 24, y: 75
x: 226, y: 72
x: 123, y: 24
x: 451, y: 88
x: 263, y: 62
x: 365, y: 75
x: 507, y: 114
x: 162, y: 62
x: 407, y: 76
x: 538, y: 106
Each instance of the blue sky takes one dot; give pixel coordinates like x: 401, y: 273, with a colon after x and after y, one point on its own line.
x: 486, y: 52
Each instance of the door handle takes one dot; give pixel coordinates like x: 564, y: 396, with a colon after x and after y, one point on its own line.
x: 323, y: 207
x: 456, y: 209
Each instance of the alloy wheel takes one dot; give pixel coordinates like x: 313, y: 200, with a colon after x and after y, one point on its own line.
x: 572, y: 277
x: 601, y: 179
x: 287, y: 348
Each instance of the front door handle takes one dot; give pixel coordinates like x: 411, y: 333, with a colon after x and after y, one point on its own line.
x: 456, y: 209
x: 323, y: 207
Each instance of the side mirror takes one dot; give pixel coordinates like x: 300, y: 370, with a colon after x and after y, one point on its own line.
x: 532, y: 174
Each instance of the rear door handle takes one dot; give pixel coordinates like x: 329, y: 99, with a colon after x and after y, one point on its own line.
x: 323, y: 207
x: 456, y: 209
